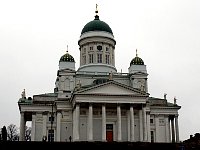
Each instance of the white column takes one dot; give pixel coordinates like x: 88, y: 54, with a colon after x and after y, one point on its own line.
x: 146, y: 86
x: 58, y: 125
x: 173, y: 130
x: 119, y: 133
x: 141, y: 125
x: 167, y: 129
x: 145, y: 125
x: 103, y: 123
x: 44, y: 125
x: 148, y: 127
x: 177, y: 129
x: 33, y: 127
x: 74, y: 124
x: 170, y: 140
x: 157, y: 130
x: 128, y: 124
x: 77, y: 116
x: 90, y: 123
x: 132, y: 123
x: 22, y: 127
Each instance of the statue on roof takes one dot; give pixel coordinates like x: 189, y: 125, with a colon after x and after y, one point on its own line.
x: 23, y: 94
x: 111, y: 76
x: 165, y: 96
x: 175, y: 100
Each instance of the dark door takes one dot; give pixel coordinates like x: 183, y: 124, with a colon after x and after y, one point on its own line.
x: 109, y: 132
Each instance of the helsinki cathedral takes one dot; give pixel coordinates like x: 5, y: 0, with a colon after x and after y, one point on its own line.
x: 95, y: 102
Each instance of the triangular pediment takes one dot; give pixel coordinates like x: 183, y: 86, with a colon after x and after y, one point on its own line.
x: 112, y: 88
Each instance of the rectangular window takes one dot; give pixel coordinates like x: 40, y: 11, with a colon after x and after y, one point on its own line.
x: 152, y: 136
x: 151, y: 120
x: 51, y: 118
x: 90, y: 58
x: 84, y: 59
x: 107, y: 49
x: 99, y: 58
x: 107, y: 59
x: 50, y: 135
x: 91, y: 48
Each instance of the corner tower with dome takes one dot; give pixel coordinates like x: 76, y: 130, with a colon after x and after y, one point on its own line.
x: 97, y: 103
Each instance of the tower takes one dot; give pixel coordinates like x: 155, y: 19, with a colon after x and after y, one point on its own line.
x: 138, y: 73
x: 97, y: 47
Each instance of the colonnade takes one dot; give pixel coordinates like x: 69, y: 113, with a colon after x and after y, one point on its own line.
x: 171, y: 126
x: 144, y: 128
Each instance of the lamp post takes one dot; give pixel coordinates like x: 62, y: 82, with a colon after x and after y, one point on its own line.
x: 51, y: 134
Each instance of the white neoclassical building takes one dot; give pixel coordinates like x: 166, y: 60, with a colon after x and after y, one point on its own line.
x: 97, y: 103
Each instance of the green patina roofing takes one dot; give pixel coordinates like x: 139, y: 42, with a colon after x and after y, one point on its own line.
x: 96, y: 25
x: 137, y: 61
x: 67, y: 58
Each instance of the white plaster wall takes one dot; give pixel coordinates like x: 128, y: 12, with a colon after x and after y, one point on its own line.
x: 137, y: 68
x: 83, y: 128
x: 136, y: 129
x: 124, y: 129
x: 67, y: 65
x: 38, y: 131
x: 97, y: 129
x: 66, y: 132
x: 161, y: 130
x: 96, y: 34
x: 98, y: 67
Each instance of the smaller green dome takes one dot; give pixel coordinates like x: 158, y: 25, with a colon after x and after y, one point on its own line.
x: 137, y: 60
x: 67, y: 58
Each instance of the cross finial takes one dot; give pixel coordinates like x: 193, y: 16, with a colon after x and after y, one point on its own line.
x: 96, y: 10
x: 136, y: 53
x: 67, y: 49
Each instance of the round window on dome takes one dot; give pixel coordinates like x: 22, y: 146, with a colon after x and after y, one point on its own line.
x: 99, y: 47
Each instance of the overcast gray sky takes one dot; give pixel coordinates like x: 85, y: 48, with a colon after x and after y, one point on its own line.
x: 34, y: 34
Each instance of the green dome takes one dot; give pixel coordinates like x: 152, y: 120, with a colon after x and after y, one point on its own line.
x: 137, y: 61
x: 96, y: 25
x: 67, y: 58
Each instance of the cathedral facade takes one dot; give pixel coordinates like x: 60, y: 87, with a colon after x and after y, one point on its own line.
x: 97, y: 103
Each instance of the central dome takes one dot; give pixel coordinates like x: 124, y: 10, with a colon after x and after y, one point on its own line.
x: 96, y: 25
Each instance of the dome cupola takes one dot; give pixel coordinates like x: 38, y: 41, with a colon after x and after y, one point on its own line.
x: 67, y: 58
x: 96, y: 25
x: 67, y: 61
x: 137, y: 65
x: 137, y: 60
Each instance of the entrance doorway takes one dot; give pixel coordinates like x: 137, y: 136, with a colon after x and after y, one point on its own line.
x: 109, y: 132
